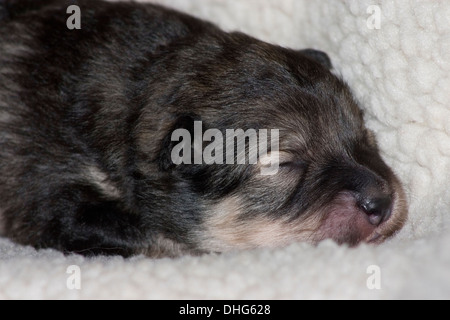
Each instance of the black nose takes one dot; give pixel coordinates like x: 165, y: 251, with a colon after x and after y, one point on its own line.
x: 378, y: 208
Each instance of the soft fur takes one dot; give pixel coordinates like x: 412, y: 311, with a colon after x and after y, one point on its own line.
x: 87, y: 139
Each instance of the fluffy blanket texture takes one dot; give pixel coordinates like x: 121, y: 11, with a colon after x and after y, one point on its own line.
x: 399, y: 68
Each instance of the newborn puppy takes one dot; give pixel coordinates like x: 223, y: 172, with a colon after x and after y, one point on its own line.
x: 90, y: 144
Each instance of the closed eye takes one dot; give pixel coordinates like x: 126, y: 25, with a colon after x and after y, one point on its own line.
x: 297, y: 164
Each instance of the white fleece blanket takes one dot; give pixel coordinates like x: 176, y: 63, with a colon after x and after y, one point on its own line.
x: 401, y: 74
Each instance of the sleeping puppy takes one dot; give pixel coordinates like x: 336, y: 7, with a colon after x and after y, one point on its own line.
x: 126, y: 137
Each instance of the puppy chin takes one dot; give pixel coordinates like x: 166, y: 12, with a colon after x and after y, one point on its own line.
x: 226, y: 230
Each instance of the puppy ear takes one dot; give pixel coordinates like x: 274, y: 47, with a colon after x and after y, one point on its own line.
x: 185, y: 122
x: 318, y: 56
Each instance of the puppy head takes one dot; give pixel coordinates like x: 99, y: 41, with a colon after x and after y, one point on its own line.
x: 331, y: 181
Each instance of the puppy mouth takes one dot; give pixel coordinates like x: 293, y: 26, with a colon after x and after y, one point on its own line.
x: 347, y: 222
x: 375, y: 238
x: 343, y: 220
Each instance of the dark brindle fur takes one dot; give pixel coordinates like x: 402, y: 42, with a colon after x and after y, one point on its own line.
x: 86, y: 118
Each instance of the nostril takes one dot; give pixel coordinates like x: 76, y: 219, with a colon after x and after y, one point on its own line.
x: 378, y: 209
